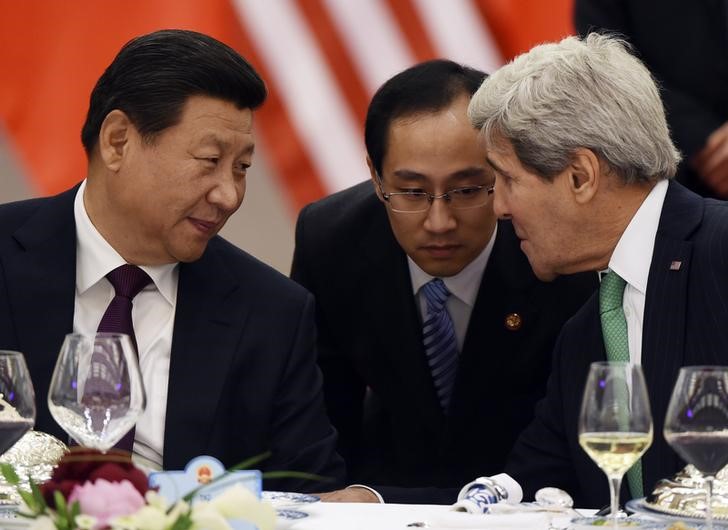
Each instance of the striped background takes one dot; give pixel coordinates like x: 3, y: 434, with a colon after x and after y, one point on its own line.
x: 322, y: 60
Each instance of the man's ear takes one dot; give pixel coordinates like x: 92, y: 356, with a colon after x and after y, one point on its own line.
x: 584, y: 174
x: 375, y: 179
x: 114, y: 137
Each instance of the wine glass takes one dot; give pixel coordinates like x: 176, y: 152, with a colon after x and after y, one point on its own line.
x: 17, y: 399
x: 17, y: 410
x: 696, y: 426
x: 97, y: 392
x: 615, y: 423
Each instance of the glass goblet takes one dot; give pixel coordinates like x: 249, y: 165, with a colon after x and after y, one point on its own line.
x: 97, y: 393
x: 17, y: 399
x: 615, y: 423
x: 696, y: 426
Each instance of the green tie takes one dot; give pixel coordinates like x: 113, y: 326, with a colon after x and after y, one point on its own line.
x: 614, y: 331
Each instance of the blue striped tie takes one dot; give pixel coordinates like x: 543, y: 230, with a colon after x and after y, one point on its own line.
x: 439, y: 339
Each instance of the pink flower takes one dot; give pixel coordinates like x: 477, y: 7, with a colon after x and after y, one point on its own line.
x: 105, y: 500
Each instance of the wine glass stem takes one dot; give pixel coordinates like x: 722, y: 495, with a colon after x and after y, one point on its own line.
x: 709, y: 500
x: 615, y: 484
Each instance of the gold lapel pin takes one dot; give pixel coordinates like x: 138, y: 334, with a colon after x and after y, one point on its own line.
x: 675, y: 265
x: 513, y: 321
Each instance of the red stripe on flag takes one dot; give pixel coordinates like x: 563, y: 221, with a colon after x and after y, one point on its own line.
x: 409, y: 21
x: 332, y: 45
x: 518, y: 26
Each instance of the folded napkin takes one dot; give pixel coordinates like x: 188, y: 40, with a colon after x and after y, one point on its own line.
x: 520, y: 521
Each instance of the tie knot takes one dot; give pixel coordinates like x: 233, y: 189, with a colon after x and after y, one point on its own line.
x: 128, y: 280
x: 436, y: 294
x: 611, y: 292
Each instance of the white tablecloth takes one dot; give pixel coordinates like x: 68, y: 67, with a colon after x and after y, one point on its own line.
x: 346, y: 516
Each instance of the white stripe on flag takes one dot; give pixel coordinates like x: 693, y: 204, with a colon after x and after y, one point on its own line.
x: 459, y: 33
x: 309, y: 91
x: 373, y: 39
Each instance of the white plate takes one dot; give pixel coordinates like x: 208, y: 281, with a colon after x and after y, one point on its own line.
x: 640, y: 506
x: 288, y: 498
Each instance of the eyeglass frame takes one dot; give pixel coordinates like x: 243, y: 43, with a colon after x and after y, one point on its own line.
x: 489, y: 189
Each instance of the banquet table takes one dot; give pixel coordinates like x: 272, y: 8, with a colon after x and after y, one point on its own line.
x: 351, y: 516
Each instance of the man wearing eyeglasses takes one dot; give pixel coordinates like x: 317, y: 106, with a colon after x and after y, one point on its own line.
x: 434, y: 334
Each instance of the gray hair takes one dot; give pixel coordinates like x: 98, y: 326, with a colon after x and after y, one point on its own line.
x: 579, y: 93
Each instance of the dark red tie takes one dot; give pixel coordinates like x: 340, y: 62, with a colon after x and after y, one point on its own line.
x: 128, y: 281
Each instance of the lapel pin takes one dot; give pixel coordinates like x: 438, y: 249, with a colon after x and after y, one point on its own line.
x: 675, y: 265
x: 513, y: 321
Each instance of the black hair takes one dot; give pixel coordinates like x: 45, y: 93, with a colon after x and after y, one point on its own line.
x: 153, y: 75
x: 426, y: 87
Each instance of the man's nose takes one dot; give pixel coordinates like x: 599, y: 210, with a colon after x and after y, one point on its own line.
x: 500, y: 208
x: 227, y: 194
x: 439, y: 216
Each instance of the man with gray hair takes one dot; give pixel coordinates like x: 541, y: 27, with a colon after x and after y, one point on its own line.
x: 577, y: 136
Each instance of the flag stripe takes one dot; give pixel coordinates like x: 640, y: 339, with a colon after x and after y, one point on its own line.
x: 458, y: 33
x: 373, y: 39
x: 309, y: 92
x: 413, y: 29
x: 332, y: 46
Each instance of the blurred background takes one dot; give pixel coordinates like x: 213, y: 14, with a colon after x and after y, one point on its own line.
x: 322, y: 61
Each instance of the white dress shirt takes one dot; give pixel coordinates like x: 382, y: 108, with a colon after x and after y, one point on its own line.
x: 631, y: 259
x: 152, y: 316
x: 463, y: 287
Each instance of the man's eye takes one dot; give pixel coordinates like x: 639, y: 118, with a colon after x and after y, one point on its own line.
x: 466, y: 191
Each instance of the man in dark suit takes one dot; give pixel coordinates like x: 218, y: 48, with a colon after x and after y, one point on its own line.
x: 226, y: 344
x: 582, y: 171
x: 369, y: 254
x: 693, y: 74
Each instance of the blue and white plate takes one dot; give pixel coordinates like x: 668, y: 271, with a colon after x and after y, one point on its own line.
x: 288, y: 498
x: 291, y: 515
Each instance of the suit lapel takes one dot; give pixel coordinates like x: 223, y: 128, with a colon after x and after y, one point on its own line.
x: 663, y: 341
x: 394, y: 320
x: 41, y: 283
x: 207, y: 329
x: 503, y: 291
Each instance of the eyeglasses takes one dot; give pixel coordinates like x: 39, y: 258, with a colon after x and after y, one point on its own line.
x: 420, y: 201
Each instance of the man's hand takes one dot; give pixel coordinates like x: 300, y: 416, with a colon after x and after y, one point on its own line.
x: 350, y: 494
x: 711, y: 162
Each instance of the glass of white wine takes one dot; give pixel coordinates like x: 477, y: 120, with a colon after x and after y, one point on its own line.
x: 696, y: 425
x: 97, y: 393
x: 615, y: 424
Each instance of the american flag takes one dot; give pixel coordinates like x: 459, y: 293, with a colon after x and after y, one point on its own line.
x: 322, y: 61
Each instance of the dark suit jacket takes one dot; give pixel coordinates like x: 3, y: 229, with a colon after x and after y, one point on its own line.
x: 242, y: 379
x: 685, y: 45
x: 378, y: 386
x: 686, y: 311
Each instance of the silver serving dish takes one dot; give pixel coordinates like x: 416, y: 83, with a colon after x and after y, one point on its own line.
x: 34, y: 455
x: 684, y: 495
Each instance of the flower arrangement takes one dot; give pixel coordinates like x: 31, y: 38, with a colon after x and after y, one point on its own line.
x: 90, y: 490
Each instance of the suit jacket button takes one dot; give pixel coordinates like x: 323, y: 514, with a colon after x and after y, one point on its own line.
x: 513, y: 321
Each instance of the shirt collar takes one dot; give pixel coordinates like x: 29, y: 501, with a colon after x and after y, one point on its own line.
x: 466, y: 283
x: 632, y: 256
x: 95, y: 257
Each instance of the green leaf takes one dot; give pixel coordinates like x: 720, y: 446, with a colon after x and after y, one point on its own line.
x: 9, y: 474
x: 63, y: 521
x: 296, y: 474
x: 38, y: 497
x: 183, y: 522
x: 29, y: 500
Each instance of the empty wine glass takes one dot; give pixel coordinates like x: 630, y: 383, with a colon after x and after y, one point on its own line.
x: 17, y: 399
x: 615, y: 423
x: 696, y: 426
x: 96, y: 391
